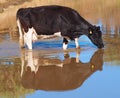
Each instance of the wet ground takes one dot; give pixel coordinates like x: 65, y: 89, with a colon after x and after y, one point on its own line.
x: 49, y: 72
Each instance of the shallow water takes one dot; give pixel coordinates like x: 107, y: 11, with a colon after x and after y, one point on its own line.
x: 49, y: 72
x: 88, y: 72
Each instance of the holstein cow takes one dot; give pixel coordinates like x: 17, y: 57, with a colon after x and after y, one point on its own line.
x: 55, y: 20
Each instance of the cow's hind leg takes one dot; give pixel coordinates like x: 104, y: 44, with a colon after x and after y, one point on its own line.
x: 28, y: 38
x: 21, y: 39
x: 65, y: 43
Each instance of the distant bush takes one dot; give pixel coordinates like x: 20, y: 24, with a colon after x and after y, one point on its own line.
x: 8, y: 3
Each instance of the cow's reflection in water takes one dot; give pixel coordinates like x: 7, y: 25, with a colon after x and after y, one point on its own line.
x: 55, y: 75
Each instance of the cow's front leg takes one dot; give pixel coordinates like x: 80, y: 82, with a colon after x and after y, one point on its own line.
x: 65, y: 43
x: 76, y: 43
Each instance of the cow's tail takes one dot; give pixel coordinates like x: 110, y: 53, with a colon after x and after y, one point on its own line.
x: 19, y: 28
x: 21, y: 33
x: 19, y: 24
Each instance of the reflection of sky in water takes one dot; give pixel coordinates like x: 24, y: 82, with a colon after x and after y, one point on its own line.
x: 84, y: 42
x: 99, y: 85
x: 9, y: 48
x: 47, y: 44
x: 85, y: 56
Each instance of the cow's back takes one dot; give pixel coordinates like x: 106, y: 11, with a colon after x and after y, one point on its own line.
x: 48, y: 19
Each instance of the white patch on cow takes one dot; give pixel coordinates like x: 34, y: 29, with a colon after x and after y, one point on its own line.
x: 65, y: 46
x: 76, y: 43
x: 57, y: 34
x: 28, y: 38
x: 34, y: 35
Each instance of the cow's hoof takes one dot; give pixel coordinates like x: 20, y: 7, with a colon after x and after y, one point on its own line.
x: 78, y: 48
x: 65, y: 50
x: 22, y: 47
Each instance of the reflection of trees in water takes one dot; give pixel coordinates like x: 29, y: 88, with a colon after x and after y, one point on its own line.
x: 113, y: 30
x: 13, y: 36
x: 112, y: 44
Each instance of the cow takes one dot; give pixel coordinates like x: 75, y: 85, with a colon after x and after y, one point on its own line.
x: 55, y: 20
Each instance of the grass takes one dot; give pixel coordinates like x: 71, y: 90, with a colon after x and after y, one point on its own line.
x: 87, y: 9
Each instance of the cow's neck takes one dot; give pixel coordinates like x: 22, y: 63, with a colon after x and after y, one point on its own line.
x: 84, y: 27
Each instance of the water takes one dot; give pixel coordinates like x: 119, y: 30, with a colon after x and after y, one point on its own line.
x: 85, y: 73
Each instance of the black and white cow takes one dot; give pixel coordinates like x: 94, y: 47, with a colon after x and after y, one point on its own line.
x: 55, y: 20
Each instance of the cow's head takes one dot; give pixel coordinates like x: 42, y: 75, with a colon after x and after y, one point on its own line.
x: 95, y: 36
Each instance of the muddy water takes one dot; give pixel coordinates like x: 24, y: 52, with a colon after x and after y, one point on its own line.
x: 49, y: 72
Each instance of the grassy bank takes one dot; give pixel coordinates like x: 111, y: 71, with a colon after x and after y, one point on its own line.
x: 90, y: 9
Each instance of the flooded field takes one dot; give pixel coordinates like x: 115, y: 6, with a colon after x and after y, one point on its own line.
x: 50, y: 72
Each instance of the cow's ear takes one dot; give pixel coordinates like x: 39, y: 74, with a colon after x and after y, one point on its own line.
x: 98, y: 28
x: 91, y: 32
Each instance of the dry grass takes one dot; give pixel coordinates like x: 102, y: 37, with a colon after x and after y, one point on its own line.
x: 90, y: 9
